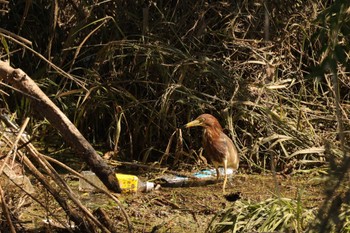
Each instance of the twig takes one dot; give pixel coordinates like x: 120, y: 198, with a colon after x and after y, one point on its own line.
x: 96, y: 187
x: 14, y: 145
x: 6, y: 211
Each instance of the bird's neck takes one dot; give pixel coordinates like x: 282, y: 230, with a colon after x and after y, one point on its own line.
x: 213, y: 132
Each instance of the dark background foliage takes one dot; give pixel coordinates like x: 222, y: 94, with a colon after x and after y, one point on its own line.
x: 130, y: 74
x: 158, y: 64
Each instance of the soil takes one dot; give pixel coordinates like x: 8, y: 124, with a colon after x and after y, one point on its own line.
x: 191, y: 209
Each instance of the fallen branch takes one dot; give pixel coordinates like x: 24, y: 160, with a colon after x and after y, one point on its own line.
x: 20, y: 80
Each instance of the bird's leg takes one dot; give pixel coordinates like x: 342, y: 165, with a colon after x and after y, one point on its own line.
x: 217, y: 172
x: 225, y: 175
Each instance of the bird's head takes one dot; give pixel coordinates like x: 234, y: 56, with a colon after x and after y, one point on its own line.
x: 206, y: 121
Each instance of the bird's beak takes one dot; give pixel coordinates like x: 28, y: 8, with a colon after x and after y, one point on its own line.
x: 193, y: 124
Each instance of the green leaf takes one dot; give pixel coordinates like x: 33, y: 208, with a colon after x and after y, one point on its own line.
x: 6, y: 47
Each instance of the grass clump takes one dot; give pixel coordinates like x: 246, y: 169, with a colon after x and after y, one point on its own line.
x: 271, y: 215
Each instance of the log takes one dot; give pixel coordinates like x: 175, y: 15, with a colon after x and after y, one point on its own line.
x: 43, y: 104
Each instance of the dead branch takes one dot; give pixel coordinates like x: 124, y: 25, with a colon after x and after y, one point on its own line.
x: 20, y: 80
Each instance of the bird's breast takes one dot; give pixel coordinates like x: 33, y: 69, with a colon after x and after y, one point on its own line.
x: 214, y: 147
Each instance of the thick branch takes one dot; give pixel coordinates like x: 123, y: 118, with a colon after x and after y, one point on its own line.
x: 20, y: 80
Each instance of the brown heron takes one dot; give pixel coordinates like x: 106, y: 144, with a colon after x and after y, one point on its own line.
x: 218, y: 147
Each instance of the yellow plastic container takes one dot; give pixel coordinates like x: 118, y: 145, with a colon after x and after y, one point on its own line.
x: 128, y: 183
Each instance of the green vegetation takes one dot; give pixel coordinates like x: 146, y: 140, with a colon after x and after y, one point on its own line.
x: 271, y: 215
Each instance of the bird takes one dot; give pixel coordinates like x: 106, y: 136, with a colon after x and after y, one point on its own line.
x: 218, y: 147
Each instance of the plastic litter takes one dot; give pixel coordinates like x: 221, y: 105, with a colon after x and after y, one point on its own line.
x: 128, y: 183
x: 200, y: 178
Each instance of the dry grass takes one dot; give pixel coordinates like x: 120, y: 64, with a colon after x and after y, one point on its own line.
x: 130, y: 75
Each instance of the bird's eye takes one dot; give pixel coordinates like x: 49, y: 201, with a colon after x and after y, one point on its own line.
x: 201, y: 120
